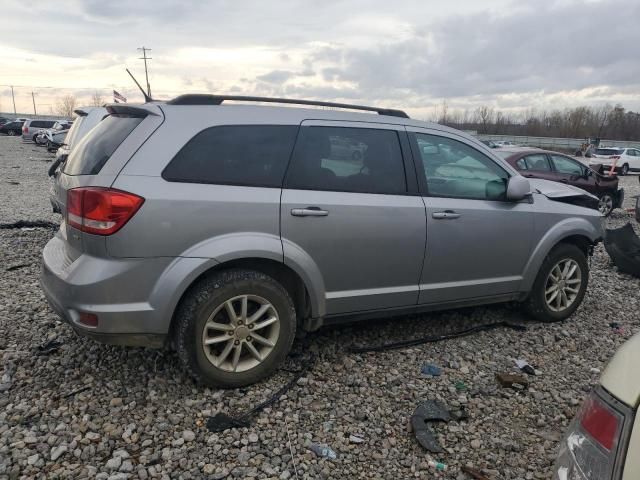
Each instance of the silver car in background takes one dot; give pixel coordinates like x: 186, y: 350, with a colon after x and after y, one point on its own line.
x: 222, y: 228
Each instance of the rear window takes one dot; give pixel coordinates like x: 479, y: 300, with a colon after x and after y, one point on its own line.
x: 251, y: 155
x: 608, y: 151
x: 94, y: 150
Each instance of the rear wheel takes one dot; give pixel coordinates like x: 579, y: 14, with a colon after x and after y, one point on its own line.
x: 11, y: 133
x: 605, y: 204
x: 624, y: 170
x: 560, y: 285
x: 234, y: 328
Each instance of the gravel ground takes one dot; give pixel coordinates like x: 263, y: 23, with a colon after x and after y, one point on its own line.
x: 139, y: 416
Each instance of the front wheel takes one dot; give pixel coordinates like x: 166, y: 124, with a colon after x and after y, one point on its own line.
x: 560, y: 285
x: 234, y: 328
x: 605, y: 204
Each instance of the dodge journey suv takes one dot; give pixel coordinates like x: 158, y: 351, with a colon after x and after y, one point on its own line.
x: 221, y: 228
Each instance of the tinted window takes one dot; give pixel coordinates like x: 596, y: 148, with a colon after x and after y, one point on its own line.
x: 42, y: 124
x: 342, y: 159
x: 92, y: 152
x: 608, y: 151
x: 538, y: 162
x: 255, y: 155
x: 566, y: 165
x: 521, y: 164
x: 73, y: 131
x: 454, y: 169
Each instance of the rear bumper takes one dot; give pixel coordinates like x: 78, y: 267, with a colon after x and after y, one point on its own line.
x: 118, y: 291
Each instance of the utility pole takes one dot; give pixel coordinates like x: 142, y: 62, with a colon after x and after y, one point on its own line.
x: 14, y: 100
x: 146, y: 72
x: 34, y: 103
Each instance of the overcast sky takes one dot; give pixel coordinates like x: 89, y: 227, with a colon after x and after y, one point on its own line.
x: 512, y: 55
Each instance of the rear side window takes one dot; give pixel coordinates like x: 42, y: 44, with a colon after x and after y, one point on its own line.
x: 341, y: 159
x: 608, y: 151
x: 41, y: 124
x: 94, y: 150
x: 538, y: 162
x: 251, y: 155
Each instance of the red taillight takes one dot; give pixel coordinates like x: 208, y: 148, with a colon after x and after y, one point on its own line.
x: 25, y: 129
x: 88, y: 319
x: 101, y: 211
x: 600, y: 422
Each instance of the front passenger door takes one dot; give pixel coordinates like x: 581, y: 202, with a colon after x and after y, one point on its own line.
x: 477, y: 242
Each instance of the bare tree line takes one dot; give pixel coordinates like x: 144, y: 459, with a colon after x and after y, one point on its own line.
x: 610, y: 122
x: 67, y: 104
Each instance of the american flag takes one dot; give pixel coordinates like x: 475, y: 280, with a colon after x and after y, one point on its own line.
x: 119, y: 98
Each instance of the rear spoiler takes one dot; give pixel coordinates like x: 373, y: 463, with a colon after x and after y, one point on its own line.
x: 131, y: 110
x: 80, y: 113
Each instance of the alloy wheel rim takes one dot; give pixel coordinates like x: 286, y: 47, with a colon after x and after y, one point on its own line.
x: 605, y: 204
x: 240, y: 333
x: 563, y: 285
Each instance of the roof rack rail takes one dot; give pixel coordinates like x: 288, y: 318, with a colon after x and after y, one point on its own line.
x: 207, y: 99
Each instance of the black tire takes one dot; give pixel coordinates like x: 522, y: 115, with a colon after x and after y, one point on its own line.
x: 202, y: 300
x: 536, y: 304
x: 11, y: 133
x: 624, y: 170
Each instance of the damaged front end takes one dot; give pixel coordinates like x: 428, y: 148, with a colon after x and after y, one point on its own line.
x: 561, y: 192
x: 594, y: 447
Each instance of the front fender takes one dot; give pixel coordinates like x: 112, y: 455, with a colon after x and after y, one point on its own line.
x: 568, y: 227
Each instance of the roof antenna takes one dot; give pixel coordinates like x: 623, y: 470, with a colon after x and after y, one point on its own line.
x: 147, y: 98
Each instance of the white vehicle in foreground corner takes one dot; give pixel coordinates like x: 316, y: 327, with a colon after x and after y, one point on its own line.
x: 624, y: 160
x: 603, y: 441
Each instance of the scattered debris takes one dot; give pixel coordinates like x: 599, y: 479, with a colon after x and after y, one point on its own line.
x: 511, y: 380
x: 437, y: 465
x: 13, y: 183
x: 356, y: 438
x: 525, y: 367
x: 29, y: 224
x: 474, y: 473
x: 595, y: 370
x: 623, y: 246
x: 16, y: 267
x: 431, y: 370
x: 48, y: 348
x: 437, y: 338
x: 323, y: 451
x: 76, y: 391
x: 460, y: 386
x: 221, y: 421
x: 617, y: 328
x: 428, y: 411
x: 459, y: 415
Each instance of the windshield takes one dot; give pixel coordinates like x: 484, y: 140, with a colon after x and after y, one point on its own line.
x: 609, y: 151
x: 95, y: 149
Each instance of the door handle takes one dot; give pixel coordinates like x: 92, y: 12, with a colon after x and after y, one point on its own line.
x: 446, y: 215
x: 309, y: 212
x: 529, y: 175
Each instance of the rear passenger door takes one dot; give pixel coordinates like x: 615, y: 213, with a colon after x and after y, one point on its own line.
x: 572, y: 172
x: 350, y: 203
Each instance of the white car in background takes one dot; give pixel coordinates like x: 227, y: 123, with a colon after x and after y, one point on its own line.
x: 603, y: 441
x: 626, y: 159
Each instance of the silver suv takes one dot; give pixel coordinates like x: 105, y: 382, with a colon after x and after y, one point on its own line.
x: 222, y: 228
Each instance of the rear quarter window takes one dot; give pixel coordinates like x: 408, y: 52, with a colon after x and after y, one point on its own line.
x: 94, y: 150
x: 251, y: 155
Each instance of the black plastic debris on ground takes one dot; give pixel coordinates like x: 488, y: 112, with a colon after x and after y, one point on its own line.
x: 437, y: 338
x: 29, y: 224
x: 432, y: 411
x: 623, y: 246
x: 222, y: 421
x: 16, y: 267
x: 48, y: 348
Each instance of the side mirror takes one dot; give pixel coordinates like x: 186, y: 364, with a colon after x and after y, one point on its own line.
x: 518, y: 188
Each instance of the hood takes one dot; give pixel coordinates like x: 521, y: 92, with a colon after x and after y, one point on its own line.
x: 556, y: 190
x: 621, y: 376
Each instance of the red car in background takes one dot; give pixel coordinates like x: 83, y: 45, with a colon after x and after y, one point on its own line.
x: 554, y: 166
